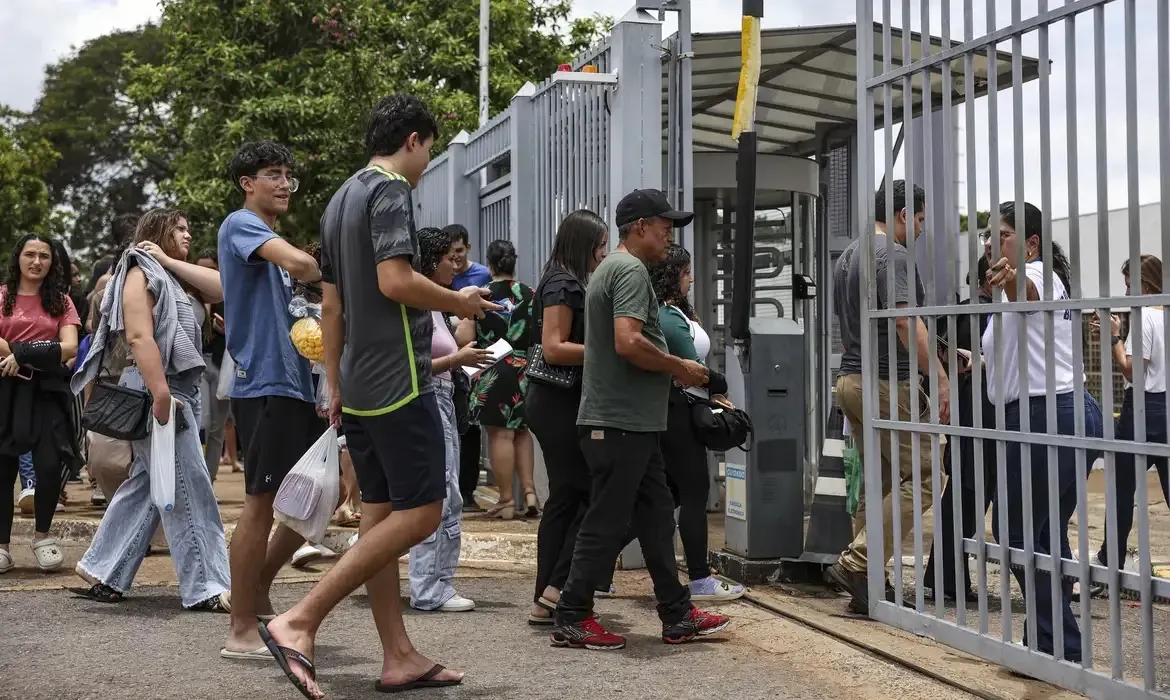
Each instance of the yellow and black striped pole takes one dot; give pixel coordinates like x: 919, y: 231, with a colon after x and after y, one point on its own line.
x: 743, y: 130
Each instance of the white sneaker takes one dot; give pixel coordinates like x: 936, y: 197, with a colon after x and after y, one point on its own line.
x: 352, y: 541
x: 715, y: 589
x: 326, y: 553
x: 26, y: 501
x: 458, y: 604
x: 305, y: 555
x: 6, y: 563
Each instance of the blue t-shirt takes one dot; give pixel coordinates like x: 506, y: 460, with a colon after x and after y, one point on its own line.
x: 475, y: 276
x: 256, y: 296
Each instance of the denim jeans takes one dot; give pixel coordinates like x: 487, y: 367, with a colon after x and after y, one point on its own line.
x: 1041, y: 605
x: 215, y: 413
x: 28, y: 475
x: 433, y: 561
x: 193, y: 528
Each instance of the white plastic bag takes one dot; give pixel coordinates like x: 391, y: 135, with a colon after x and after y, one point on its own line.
x: 162, y: 462
x: 308, y: 495
x: 227, y: 375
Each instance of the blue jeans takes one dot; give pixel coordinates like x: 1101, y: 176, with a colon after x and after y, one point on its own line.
x: 28, y: 475
x: 193, y: 528
x: 1041, y: 525
x: 433, y: 561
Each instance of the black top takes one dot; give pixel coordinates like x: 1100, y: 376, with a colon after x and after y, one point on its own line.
x: 963, y: 328
x: 559, y: 288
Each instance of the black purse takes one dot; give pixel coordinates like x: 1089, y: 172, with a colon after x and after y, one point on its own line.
x: 552, y: 375
x: 461, y: 396
x: 117, y: 412
x: 718, y: 427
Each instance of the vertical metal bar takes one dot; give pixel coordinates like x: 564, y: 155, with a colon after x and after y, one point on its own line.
x: 1136, y: 325
x: 931, y: 321
x: 672, y: 141
x: 975, y: 250
x: 1163, y: 51
x: 1005, y: 590
x: 865, y: 230
x: 1056, y: 525
x: 1103, y: 318
x: 948, y: 163
x: 1025, y: 402
x: 544, y: 232
x: 1074, y: 245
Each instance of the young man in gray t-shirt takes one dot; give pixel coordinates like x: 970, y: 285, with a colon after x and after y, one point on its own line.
x: 890, y: 259
x: 625, y: 388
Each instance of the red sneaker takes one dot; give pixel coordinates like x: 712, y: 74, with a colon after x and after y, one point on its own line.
x: 587, y: 634
x: 696, y: 624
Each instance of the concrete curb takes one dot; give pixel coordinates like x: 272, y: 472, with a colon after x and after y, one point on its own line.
x: 477, y: 546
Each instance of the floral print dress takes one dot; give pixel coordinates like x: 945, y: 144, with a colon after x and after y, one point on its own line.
x: 497, y: 398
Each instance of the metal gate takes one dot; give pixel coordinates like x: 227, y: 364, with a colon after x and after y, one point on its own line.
x: 1044, y: 457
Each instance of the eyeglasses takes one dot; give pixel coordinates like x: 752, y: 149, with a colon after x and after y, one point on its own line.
x: 293, y: 183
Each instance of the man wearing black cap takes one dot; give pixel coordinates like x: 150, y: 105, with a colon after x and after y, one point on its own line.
x: 626, y: 384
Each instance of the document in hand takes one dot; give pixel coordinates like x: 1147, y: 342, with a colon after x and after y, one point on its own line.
x: 499, y: 350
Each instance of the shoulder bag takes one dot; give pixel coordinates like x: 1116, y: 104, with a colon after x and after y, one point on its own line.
x: 116, y: 411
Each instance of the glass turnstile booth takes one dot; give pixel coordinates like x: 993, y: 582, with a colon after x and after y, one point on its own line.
x: 786, y: 249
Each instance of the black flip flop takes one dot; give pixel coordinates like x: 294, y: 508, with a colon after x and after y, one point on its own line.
x: 547, y: 605
x: 282, y: 654
x: 98, y: 592
x: 426, y: 680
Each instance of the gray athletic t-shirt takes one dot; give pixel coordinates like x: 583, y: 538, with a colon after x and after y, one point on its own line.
x: 847, y: 301
x: 386, y: 362
x: 615, y: 393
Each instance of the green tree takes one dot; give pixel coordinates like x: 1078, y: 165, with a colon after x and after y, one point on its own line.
x: 307, y: 72
x: 85, y: 114
x: 24, y: 197
x: 982, y: 219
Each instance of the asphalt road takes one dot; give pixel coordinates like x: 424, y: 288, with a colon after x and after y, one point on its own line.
x: 58, y: 647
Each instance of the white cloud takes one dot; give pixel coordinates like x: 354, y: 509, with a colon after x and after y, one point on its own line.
x: 35, y: 34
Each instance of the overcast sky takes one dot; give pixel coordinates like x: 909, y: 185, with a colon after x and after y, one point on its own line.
x: 33, y: 34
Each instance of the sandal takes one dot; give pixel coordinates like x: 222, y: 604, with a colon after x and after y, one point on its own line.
x: 347, y: 518
x: 98, y: 592
x: 221, y: 603
x: 48, y: 553
x: 546, y: 605
x: 426, y: 680
x: 6, y: 563
x: 533, y: 505
x: 282, y: 656
x: 504, y: 510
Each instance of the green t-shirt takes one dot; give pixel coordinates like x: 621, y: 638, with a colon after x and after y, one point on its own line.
x: 677, y: 331
x: 616, y: 394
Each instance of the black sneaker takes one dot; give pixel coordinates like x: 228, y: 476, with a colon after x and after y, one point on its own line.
x: 586, y: 634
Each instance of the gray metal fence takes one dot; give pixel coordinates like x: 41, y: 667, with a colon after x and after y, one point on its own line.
x: 550, y: 152
x: 1042, y: 459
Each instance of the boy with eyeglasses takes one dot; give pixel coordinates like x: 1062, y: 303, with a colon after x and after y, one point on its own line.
x: 272, y: 398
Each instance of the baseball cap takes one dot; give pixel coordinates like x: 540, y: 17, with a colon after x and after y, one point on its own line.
x: 646, y: 204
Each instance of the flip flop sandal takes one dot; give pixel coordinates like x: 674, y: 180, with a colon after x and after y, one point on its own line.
x: 98, y: 592
x: 282, y: 655
x: 426, y: 680
x: 261, y: 654
x: 546, y: 605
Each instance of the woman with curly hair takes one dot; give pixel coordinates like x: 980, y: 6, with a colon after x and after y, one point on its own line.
x: 433, y: 561
x: 38, y: 335
x: 685, y: 456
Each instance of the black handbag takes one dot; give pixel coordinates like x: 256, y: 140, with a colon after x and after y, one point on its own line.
x: 553, y: 375
x: 461, y: 396
x: 116, y: 411
x: 718, y: 427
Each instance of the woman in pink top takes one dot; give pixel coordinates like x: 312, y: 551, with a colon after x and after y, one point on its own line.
x: 38, y: 335
x: 433, y: 561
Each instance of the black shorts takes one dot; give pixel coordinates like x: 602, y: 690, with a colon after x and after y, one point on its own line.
x: 276, y: 431
x: 399, y: 457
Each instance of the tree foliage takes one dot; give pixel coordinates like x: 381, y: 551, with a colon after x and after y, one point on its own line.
x: 982, y: 219
x: 24, y: 198
x: 307, y: 72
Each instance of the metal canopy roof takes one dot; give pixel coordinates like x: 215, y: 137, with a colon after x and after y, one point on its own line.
x: 808, y: 84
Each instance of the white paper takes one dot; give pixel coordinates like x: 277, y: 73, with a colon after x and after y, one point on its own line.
x: 499, y: 350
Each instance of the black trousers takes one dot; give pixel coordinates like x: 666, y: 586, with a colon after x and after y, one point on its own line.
x: 51, y: 475
x: 469, y: 462
x: 1127, y: 474
x: 972, y: 511
x: 552, y: 418
x: 689, y: 482
x: 628, y: 491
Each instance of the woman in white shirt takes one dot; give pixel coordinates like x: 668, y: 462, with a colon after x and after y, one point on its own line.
x: 1153, y: 348
x: 1023, y: 230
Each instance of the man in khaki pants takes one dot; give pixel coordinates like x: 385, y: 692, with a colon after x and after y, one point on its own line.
x: 891, y: 258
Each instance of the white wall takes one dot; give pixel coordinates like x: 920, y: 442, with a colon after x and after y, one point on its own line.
x: 1155, y: 240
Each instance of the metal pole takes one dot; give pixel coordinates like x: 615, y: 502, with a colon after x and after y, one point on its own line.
x: 745, y: 174
x: 484, y: 26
